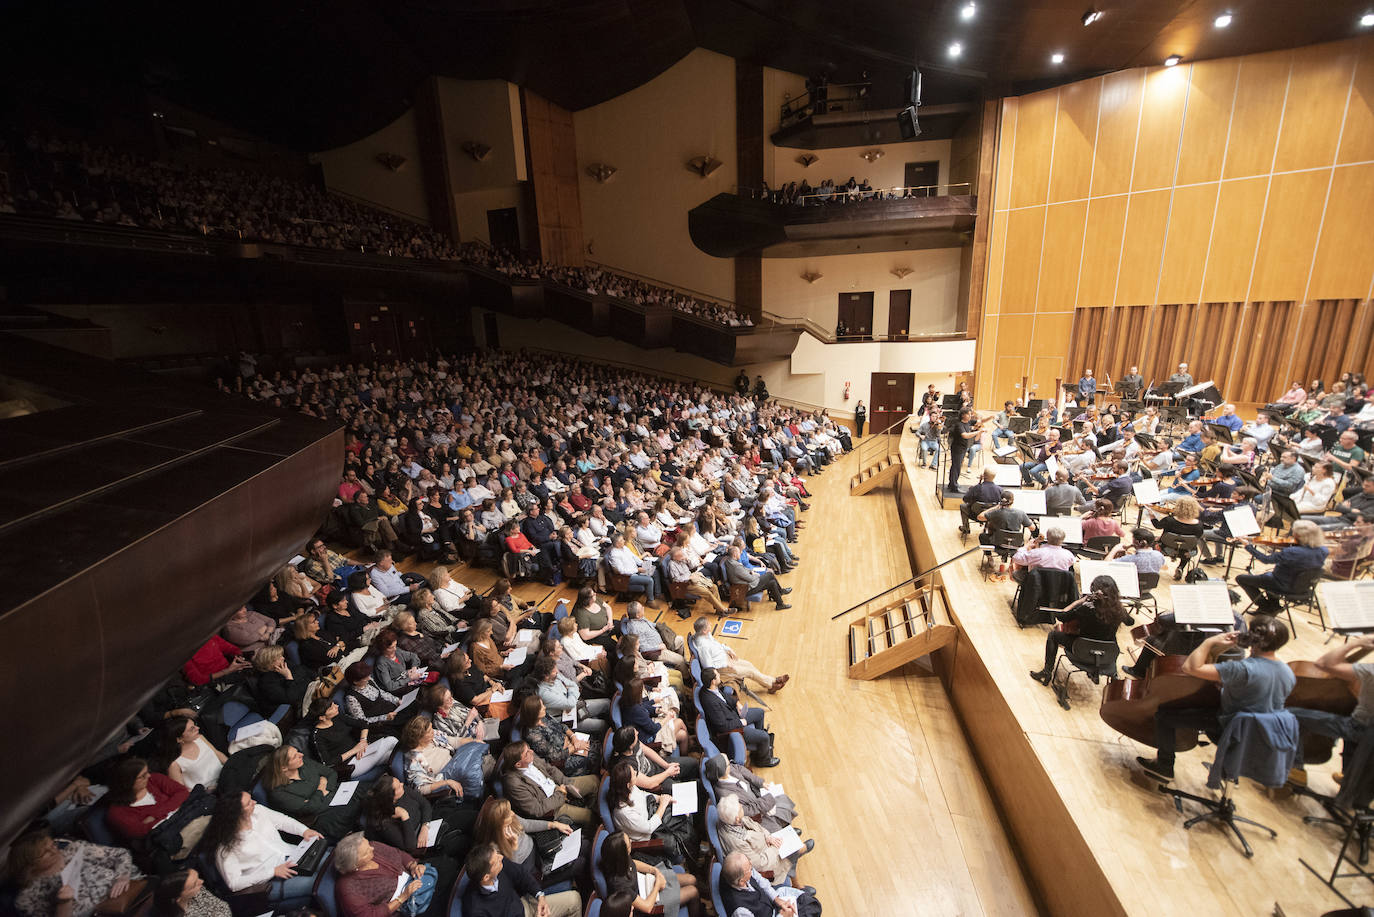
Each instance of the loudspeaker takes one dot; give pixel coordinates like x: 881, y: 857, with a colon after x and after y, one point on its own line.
x: 911, y: 88
x: 908, y: 125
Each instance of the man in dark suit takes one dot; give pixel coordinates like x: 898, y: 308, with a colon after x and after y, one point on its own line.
x: 498, y: 887
x: 723, y: 716
x: 744, y: 891
x: 737, y: 572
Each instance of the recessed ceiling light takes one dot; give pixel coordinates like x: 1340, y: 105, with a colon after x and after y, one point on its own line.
x: 1057, y: 57
x: 1223, y: 20
x: 1367, y: 20
x: 1172, y: 60
x: 1091, y: 16
x: 955, y: 49
x: 968, y: 10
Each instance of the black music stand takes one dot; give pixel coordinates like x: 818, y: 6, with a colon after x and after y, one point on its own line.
x: 1036, y: 405
x: 1285, y: 508
x: 1221, y: 432
x: 1027, y: 412
x: 1019, y: 424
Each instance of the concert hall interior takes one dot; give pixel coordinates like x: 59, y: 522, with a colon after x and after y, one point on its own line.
x: 694, y: 457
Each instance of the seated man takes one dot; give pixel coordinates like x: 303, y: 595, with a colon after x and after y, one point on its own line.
x: 985, y: 492
x: 745, y: 893
x: 536, y: 789
x: 681, y: 572
x: 772, y: 812
x: 387, y: 579
x: 737, y: 572
x: 930, y: 433
x: 498, y: 887
x: 1004, y: 519
x: 1002, y: 425
x: 1359, y: 508
x: 1035, y: 470
x: 369, y: 875
x: 711, y: 654
x: 640, y: 571
x: 1288, y: 476
x: 1061, y: 497
x: 651, y: 640
x: 725, y: 715
x: 1042, y: 554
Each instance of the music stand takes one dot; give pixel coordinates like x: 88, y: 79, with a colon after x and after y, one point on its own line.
x: 1221, y: 432
x: 1285, y: 508
x: 1036, y: 405
x: 1027, y: 412
x: 1146, y: 440
x: 951, y: 402
x: 1019, y: 423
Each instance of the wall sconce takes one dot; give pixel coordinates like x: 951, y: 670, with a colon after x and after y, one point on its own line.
x: 391, y: 160
x: 704, y: 165
x: 600, y: 171
x: 806, y: 159
x: 900, y: 272
x: 872, y: 155
x: 478, y: 151
x: 810, y: 276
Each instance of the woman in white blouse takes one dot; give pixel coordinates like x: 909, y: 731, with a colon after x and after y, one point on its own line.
x: 634, y: 811
x: 580, y: 650
x: 1317, y: 492
x: 449, y: 594
x: 246, y: 842
x: 193, y: 760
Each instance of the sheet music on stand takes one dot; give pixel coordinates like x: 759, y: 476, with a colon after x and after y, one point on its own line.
x: 1146, y: 492
x: 1241, y: 522
x: 1126, y: 576
x: 1007, y: 475
x: 1052, y: 466
x: 1203, y: 603
x: 1071, y: 526
x: 1349, y: 605
x: 1030, y: 502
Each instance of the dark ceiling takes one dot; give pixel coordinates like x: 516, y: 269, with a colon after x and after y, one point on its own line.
x: 313, y: 74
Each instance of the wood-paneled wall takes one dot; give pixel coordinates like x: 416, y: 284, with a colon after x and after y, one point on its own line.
x: 553, y: 170
x: 1213, y: 213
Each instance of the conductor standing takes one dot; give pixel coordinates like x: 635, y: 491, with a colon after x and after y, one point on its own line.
x: 960, y: 434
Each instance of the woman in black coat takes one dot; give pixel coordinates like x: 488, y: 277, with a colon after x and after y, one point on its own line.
x: 400, y: 816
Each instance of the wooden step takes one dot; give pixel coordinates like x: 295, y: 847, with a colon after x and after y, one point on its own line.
x: 855, y: 654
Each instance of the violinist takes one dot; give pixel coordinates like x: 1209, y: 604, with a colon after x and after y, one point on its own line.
x: 1258, y: 683
x: 1061, y: 497
x: 1098, y: 521
x: 1002, y: 424
x: 1186, y: 521
x: 1095, y: 616
x: 1290, y: 564
x: 1127, y: 449
x: 1184, y: 477
x: 1349, y: 729
x: 1035, y: 470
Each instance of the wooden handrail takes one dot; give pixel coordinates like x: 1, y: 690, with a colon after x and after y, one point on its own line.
x: 919, y: 576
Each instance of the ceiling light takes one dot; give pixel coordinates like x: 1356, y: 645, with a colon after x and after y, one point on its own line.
x: 1172, y: 60
x: 1367, y: 20
x: 968, y: 10
x: 955, y: 49
x: 1057, y: 57
x: 1091, y: 16
x: 1223, y: 20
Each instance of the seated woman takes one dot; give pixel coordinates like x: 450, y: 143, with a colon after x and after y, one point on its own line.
x: 747, y: 836
x: 1185, y: 521
x: 487, y: 657
x: 518, y: 614
x: 521, y: 840
x: 656, y: 720
x: 400, y: 816
x: 773, y: 812
x: 1290, y: 565
x: 472, y: 535
x: 245, y: 840
x: 303, y: 788
x: 553, y: 741
x: 183, y: 894
x: 643, y: 817
x: 1096, y: 616
x: 35, y: 866
x: 138, y: 800
x: 317, y: 649
x: 594, y: 686
x: 342, y: 623
x: 578, y: 649
x: 365, y: 704
x: 561, y: 694
x: 653, y: 772
x: 454, y: 721
x: 1098, y: 521
x: 417, y: 533
x: 396, y: 670
x: 469, y: 685
x: 449, y: 595
x: 524, y: 560
x: 434, y: 762
x: 652, y: 672
x: 192, y: 760
x: 277, y: 681
x: 293, y: 586
x: 572, y: 552
x: 337, y: 744
x: 364, y: 599
x: 429, y: 651
x: 433, y: 621
x: 671, y: 890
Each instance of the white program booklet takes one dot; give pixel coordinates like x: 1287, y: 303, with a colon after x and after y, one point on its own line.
x: 434, y: 828
x: 516, y: 656
x: 684, y: 798
x: 344, y: 793
x: 791, y: 841
x: 568, y: 850
x: 71, y: 873
x: 502, y: 697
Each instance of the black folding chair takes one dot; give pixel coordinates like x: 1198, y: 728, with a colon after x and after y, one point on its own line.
x: 1094, y: 658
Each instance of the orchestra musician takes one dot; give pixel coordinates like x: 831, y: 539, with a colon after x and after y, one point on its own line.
x: 961, y: 433
x: 1258, y: 683
x: 1350, y: 729
x: 1035, y: 470
x: 1127, y: 449
x: 1130, y: 385
x: 1289, y: 564
x: 1095, y: 616
x: 985, y: 492
x: 1359, y: 508
x: 1087, y: 388
x: 1192, y: 437
x: 1002, y: 424
x: 929, y: 432
x: 1061, y: 497
x: 1182, y: 376
x: 1287, y: 476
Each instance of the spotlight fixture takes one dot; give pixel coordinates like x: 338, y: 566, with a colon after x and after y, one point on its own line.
x: 1172, y: 60
x: 704, y: 165
x: 1223, y: 20
x: 1367, y: 20
x: 968, y: 10
x: 872, y: 155
x: 1057, y: 57
x: 811, y: 276
x: 601, y: 171
x: 1091, y: 16
x: 955, y: 49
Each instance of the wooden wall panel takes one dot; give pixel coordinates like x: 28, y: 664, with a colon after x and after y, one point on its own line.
x: 1289, y: 237
x: 1255, y: 119
x: 1025, y: 230
x: 1118, y: 118
x: 1357, y: 140
x: 1317, y: 92
x: 1006, y: 155
x: 1101, y: 251
x: 1064, y: 226
x: 1161, y: 121
x: 1074, y: 134
x: 997, y: 246
x: 1185, y: 248
x: 1213, y: 342
x: 1147, y: 218
x: 1211, y: 91
x: 1034, y: 142
x: 1345, y: 252
x: 1240, y: 207
x: 1006, y: 380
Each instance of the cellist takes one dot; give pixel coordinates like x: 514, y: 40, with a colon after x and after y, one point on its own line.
x: 1350, y: 729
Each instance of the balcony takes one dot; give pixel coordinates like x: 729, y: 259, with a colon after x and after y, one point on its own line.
x: 729, y: 225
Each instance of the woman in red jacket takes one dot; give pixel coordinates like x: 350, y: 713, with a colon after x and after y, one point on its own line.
x: 139, y: 800
x: 216, y: 660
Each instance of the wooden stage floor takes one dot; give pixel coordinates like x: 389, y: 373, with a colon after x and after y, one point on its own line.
x: 1085, y: 817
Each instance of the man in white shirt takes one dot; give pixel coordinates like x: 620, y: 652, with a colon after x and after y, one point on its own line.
x: 681, y: 572
x: 648, y: 535
x: 624, y: 561
x: 710, y: 654
x: 387, y: 579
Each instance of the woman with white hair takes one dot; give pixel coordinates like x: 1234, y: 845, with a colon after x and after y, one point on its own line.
x: 738, y: 834
x: 1291, y: 564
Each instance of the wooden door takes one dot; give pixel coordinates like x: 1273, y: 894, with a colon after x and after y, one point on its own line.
x: 856, y: 313
x: 1006, y: 383
x: 898, y: 315
x: 922, y: 175
x: 890, y: 398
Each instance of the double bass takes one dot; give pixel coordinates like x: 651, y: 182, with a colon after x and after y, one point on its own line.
x: 1129, y: 705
